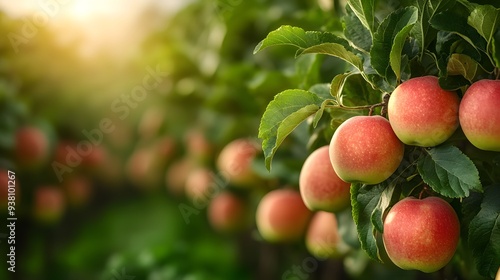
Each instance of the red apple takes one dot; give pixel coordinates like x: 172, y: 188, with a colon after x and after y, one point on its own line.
x: 49, y: 204
x: 227, y: 213
x: 78, y: 190
x: 235, y: 162
x: 421, y: 234
x: 364, y: 149
x: 320, y: 187
x: 282, y: 216
x: 479, y: 114
x: 322, y: 237
x: 31, y: 146
x: 421, y: 113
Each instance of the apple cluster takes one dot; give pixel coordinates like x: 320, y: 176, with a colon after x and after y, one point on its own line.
x: 418, y: 234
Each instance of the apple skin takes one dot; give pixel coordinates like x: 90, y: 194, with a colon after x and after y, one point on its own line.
x: 227, y: 213
x: 364, y: 149
x: 320, y: 187
x: 421, y: 234
x: 282, y: 216
x: 421, y: 113
x: 31, y: 146
x: 235, y: 162
x: 322, y: 237
x: 479, y: 114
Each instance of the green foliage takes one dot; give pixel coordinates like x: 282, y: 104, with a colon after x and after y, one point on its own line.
x: 457, y: 41
x: 484, y: 232
x: 449, y: 172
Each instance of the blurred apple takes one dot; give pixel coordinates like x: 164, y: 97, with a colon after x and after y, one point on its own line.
x: 200, y: 184
x: 31, y: 146
x: 227, y: 213
x: 282, y: 216
x: 78, y: 189
x: 49, y: 204
x: 235, y: 162
x: 176, y: 175
x: 198, y: 146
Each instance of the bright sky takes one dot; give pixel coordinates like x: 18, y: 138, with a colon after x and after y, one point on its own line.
x: 110, y: 23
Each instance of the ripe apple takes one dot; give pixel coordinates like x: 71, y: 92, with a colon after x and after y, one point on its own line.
x: 320, y: 187
x: 421, y: 234
x: 322, y: 237
x: 479, y: 114
x: 282, y: 216
x: 199, y: 183
x: 78, y: 189
x: 235, y: 162
x: 31, y: 146
x: 421, y: 113
x: 364, y: 149
x: 227, y: 213
x: 49, y: 204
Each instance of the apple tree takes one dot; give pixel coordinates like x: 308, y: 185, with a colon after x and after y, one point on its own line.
x: 383, y: 46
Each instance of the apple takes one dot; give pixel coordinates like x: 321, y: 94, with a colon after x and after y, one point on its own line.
x: 227, y: 213
x: 282, y: 216
x: 235, y: 162
x: 364, y: 149
x: 78, y: 189
x: 421, y: 113
x: 199, y: 183
x: 49, y: 204
x: 176, y: 176
x: 497, y: 277
x: 198, y: 146
x: 31, y: 146
x: 4, y: 189
x: 479, y: 114
x: 322, y: 237
x: 320, y: 187
x: 421, y: 234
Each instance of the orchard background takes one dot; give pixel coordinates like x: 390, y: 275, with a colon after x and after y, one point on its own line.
x: 115, y: 124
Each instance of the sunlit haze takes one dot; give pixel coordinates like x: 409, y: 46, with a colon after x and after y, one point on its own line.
x: 111, y: 25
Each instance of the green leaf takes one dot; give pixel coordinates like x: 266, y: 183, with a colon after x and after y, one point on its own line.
x: 356, y: 91
x: 496, y: 48
x: 336, y: 50
x: 461, y: 64
x: 337, y: 85
x: 389, y: 196
x: 288, y: 109
x: 323, y: 91
x: 297, y: 37
x: 389, y: 39
x: 307, y: 70
x: 422, y: 30
x: 356, y: 32
x: 366, y: 209
x: 458, y: 25
x: 449, y: 172
x: 365, y: 11
x: 485, y: 19
x: 484, y: 233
